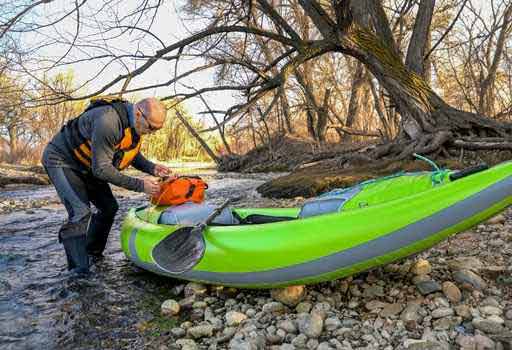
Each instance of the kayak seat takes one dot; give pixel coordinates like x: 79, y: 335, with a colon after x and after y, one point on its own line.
x: 328, y: 203
x: 195, y: 213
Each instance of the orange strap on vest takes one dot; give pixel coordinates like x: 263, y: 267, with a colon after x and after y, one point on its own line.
x: 179, y: 190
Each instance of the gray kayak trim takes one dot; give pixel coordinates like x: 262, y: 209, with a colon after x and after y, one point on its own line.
x: 389, y: 243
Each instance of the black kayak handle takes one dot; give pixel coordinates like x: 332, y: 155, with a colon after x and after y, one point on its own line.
x: 468, y: 171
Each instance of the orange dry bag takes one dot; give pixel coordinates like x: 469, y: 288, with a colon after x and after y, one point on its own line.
x: 179, y: 190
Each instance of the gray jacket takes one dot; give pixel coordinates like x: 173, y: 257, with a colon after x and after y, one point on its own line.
x: 102, y: 126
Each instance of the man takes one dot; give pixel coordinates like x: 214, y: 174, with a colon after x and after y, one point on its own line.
x: 88, y: 154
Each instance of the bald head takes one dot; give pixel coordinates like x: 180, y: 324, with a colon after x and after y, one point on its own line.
x: 150, y: 114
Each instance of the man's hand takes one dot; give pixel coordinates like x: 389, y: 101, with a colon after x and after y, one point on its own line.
x: 162, y: 171
x: 151, y: 186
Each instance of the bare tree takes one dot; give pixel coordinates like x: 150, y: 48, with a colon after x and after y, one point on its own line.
x: 391, y: 47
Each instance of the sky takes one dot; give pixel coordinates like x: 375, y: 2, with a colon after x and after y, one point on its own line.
x: 167, y: 26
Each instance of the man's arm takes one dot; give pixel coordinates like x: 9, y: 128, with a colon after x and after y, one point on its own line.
x: 143, y: 164
x: 105, y: 134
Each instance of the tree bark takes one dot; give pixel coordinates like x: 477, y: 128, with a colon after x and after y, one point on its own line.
x: 323, y: 117
x: 418, y: 45
x: 13, y: 142
x: 359, y: 81
x: 316, y: 116
x: 285, y: 107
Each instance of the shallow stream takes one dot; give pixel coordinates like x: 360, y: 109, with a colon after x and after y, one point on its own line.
x: 42, y: 307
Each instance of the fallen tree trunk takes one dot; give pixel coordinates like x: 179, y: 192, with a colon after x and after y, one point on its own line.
x: 199, y: 139
x: 24, y: 180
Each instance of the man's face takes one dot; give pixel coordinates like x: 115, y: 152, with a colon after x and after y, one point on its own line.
x: 147, y: 124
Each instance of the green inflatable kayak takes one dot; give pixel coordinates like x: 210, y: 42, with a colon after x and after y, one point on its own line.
x: 334, y: 235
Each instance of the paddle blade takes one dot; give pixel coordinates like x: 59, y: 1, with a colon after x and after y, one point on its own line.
x: 180, y: 251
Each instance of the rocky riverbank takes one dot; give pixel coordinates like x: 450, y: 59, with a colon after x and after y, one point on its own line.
x: 456, y: 295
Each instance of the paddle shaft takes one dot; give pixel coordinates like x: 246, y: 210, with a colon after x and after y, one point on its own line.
x: 217, y: 211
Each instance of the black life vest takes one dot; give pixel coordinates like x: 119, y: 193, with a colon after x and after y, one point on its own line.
x: 125, y: 150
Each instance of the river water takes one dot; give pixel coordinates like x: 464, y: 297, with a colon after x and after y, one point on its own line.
x: 42, y: 307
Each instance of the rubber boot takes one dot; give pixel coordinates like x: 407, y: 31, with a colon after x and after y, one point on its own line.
x: 97, y: 234
x: 76, y: 253
x: 73, y: 236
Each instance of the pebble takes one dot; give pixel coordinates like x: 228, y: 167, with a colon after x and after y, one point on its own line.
x: 227, y: 334
x: 186, y: 325
x: 312, y: 344
x: 178, y: 332
x: 491, y: 310
x: 355, y: 291
x: 186, y: 303
x: 410, y: 313
x: 186, y: 344
x: 178, y: 289
x: 230, y: 302
x: 303, y: 307
x: 332, y: 323
x: 199, y: 305
x: 234, y: 318
x: 194, y: 288
x: 289, y: 296
x: 310, y: 325
x: 428, y: 287
x: 288, y: 326
x: 321, y: 309
x: 391, y: 310
x: 325, y: 346
x: 465, y: 263
x: 508, y: 314
x: 196, y: 314
x: 170, y: 307
x: 215, y: 322
x: 375, y: 304
x: 274, y: 307
x: 374, y: 291
x: 300, y: 341
x: 446, y: 323
x: 421, y: 267
x: 496, y: 220
x: 200, y: 331
x: 442, y: 312
x: 490, y: 301
x: 254, y: 342
x: 452, y: 292
x: 475, y: 342
x: 250, y: 312
x: 487, y: 325
x: 441, y: 302
x: 415, y: 344
x: 353, y: 304
x: 469, y: 279
x: 463, y: 311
